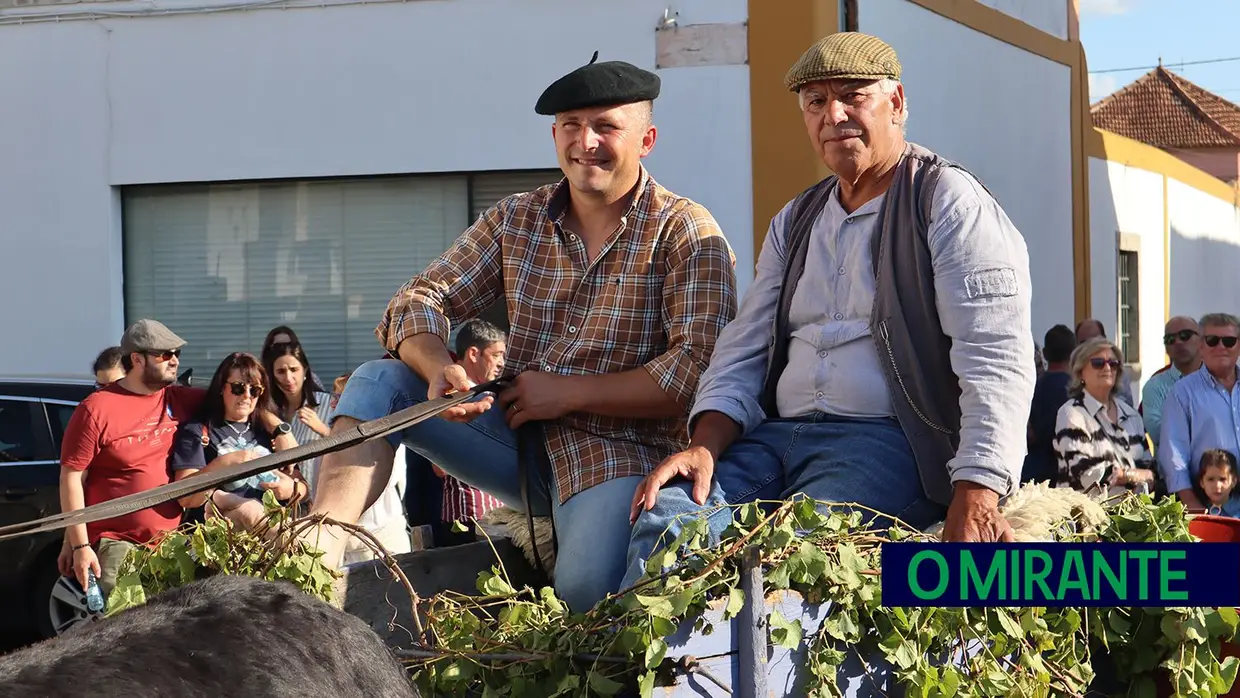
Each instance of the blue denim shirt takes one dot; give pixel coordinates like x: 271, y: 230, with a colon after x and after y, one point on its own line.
x: 1197, y: 416
x: 991, y: 337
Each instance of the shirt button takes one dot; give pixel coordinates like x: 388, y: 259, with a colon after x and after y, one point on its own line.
x: 818, y: 395
x: 841, y: 270
x: 546, y: 365
x: 572, y: 329
x: 822, y: 354
x: 573, y: 237
x: 839, y: 316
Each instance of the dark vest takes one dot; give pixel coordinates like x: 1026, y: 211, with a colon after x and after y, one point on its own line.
x: 913, y: 350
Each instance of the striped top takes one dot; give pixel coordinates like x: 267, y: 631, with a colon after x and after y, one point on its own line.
x: 1089, y: 446
x: 304, y: 435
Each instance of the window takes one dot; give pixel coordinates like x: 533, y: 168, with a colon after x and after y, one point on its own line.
x: 1129, y: 331
x: 19, y: 441
x: 221, y: 264
x: 58, y: 415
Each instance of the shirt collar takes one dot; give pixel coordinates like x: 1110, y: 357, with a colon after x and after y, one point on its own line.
x: 1095, y: 408
x: 557, y: 203
x: 868, y: 208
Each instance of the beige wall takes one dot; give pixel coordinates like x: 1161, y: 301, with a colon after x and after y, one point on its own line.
x: 1223, y: 163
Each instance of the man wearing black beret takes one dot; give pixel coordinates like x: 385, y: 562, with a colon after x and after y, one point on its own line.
x: 616, y: 291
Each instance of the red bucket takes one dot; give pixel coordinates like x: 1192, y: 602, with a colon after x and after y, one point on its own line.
x: 1212, y: 529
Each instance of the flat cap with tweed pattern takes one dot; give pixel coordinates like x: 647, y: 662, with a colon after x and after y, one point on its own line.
x: 844, y: 56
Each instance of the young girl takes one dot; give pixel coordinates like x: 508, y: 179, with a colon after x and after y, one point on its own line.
x: 1216, y: 479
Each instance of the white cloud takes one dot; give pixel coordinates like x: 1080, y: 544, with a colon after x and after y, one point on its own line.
x: 1100, y: 86
x: 1105, y: 7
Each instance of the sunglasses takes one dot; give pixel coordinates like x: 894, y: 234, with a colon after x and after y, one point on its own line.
x: 162, y: 356
x: 1100, y: 364
x: 1182, y: 335
x: 1212, y: 340
x: 240, y: 389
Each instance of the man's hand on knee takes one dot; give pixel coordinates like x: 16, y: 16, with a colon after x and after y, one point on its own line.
x: 695, y: 464
x: 974, y: 517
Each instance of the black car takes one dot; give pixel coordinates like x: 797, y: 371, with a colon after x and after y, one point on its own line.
x: 33, y: 417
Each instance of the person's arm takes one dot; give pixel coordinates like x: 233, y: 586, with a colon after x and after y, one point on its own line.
x: 1175, y: 449
x: 268, y: 421
x: 727, y: 404
x: 1152, y: 399
x: 699, y: 300
x: 458, y: 286
x: 78, y: 447
x: 984, y: 299
x: 732, y: 385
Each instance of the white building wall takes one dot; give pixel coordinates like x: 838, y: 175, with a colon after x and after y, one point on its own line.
x: 1051, y: 16
x: 1023, y: 155
x: 413, y: 87
x: 1205, y: 252
x: 1128, y: 201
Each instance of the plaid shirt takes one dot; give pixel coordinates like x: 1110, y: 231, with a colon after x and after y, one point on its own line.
x: 661, y: 290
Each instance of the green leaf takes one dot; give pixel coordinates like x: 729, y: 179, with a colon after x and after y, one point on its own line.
x: 568, y: 685
x: 657, y: 606
x: 736, y: 601
x: 645, y: 687
x: 808, y: 563
x: 492, y: 584
x: 1009, y: 626
x: 851, y: 565
x: 1227, y: 670
x: 655, y: 653
x: 785, y: 633
x: 602, y: 685
x: 459, y: 527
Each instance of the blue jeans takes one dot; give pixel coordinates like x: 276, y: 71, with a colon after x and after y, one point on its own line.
x: 834, y: 459
x: 592, y: 527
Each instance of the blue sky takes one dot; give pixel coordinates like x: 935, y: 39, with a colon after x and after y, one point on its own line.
x: 1126, y: 33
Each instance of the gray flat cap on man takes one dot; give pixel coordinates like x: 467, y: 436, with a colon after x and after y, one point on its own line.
x: 844, y: 56
x: 606, y: 84
x: 149, y: 335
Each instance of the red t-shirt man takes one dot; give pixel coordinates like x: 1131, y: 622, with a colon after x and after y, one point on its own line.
x: 123, y: 440
x: 118, y: 442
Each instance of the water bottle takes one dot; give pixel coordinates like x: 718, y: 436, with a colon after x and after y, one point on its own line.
x: 94, y: 596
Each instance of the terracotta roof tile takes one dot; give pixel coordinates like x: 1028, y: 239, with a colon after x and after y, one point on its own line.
x: 1166, y: 111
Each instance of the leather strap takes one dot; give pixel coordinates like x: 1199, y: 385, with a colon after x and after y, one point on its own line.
x: 365, y: 431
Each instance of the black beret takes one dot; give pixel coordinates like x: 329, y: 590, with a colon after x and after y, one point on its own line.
x: 598, y: 85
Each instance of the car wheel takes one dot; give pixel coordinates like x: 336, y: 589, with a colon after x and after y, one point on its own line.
x: 59, y: 604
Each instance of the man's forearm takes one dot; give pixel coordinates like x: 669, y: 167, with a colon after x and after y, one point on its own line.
x: 425, y: 354
x: 715, y: 432
x: 72, y: 498
x: 1189, y: 497
x: 632, y: 394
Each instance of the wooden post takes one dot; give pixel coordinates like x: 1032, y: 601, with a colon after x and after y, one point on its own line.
x: 752, y: 628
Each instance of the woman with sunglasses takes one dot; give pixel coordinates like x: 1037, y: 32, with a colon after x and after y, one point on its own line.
x: 296, y: 400
x: 225, y: 433
x: 1099, y: 439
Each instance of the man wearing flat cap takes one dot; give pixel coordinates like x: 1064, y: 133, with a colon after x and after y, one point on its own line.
x: 117, y: 443
x: 616, y: 290
x: 883, y: 355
